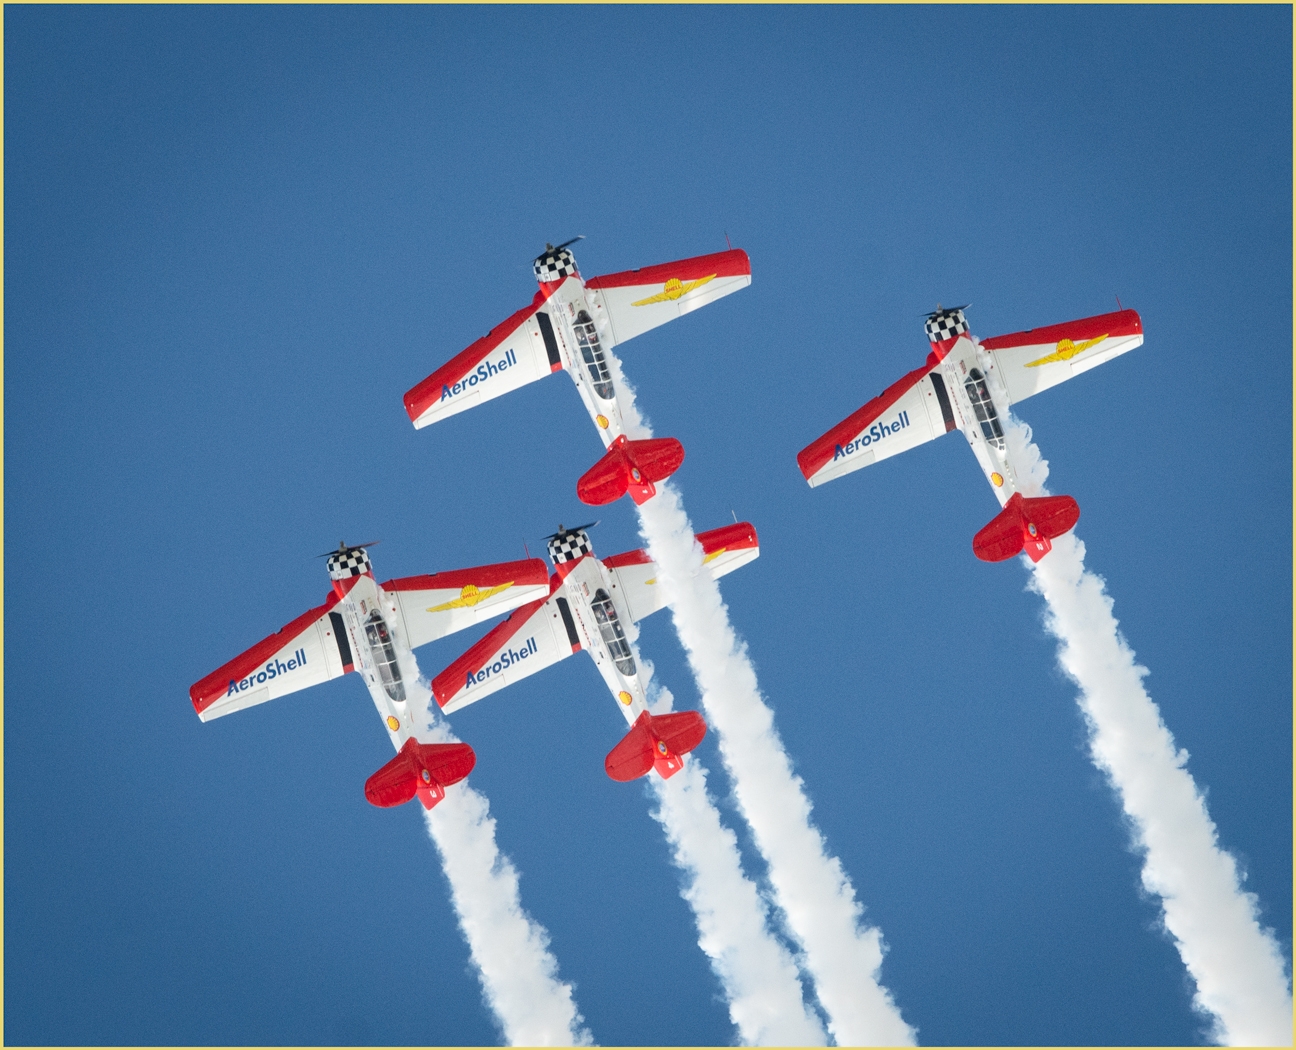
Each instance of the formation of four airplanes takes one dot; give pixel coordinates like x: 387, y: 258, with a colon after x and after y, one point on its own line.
x: 365, y: 626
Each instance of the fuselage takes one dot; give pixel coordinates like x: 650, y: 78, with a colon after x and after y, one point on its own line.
x: 974, y: 400
x: 596, y: 617
x: 574, y: 326
x: 369, y: 621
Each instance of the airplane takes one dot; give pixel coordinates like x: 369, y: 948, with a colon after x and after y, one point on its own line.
x: 968, y: 384
x: 588, y: 602
x: 367, y: 627
x: 570, y: 324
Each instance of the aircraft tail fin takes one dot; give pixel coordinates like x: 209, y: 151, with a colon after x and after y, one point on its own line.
x: 656, y: 742
x: 630, y: 466
x: 425, y: 770
x: 1026, y: 525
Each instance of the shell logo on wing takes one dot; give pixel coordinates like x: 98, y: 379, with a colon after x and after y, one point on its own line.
x: 602, y: 421
x: 1065, y: 351
x: 470, y: 596
x: 625, y: 697
x: 392, y: 724
x: 997, y: 478
x: 674, y: 289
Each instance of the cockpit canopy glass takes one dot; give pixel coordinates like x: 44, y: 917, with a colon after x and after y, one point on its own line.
x: 614, y: 638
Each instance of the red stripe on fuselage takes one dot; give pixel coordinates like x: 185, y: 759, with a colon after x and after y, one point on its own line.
x: 732, y: 263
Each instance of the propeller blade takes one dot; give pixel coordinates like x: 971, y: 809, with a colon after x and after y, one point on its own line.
x: 343, y: 548
x: 946, y: 309
x: 564, y: 244
x: 579, y: 528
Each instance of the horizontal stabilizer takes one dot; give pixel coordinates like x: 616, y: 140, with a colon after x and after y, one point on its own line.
x: 630, y: 466
x: 656, y: 742
x: 1026, y: 525
x: 425, y: 770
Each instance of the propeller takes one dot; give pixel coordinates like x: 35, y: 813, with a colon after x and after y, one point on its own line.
x: 579, y: 528
x: 550, y: 248
x: 343, y: 548
x: 944, y: 310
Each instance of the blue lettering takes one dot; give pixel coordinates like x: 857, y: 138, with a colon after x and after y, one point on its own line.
x: 233, y: 688
x: 837, y: 452
x: 482, y: 373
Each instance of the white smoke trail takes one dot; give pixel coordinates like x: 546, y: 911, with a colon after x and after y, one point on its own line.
x: 518, y: 973
x: 1237, y: 967
x: 817, y: 900
x: 758, y: 975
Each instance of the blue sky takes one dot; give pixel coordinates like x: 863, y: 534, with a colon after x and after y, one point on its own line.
x: 235, y: 236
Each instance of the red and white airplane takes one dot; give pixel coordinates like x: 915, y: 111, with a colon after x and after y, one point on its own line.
x: 589, y: 600
x: 968, y: 384
x: 569, y: 325
x: 367, y: 627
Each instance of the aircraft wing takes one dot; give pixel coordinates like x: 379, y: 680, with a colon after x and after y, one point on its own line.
x: 638, y: 300
x: 312, y: 649
x: 1035, y: 360
x: 635, y: 574
x: 433, y: 606
x: 907, y: 413
x: 533, y: 637
x: 513, y: 354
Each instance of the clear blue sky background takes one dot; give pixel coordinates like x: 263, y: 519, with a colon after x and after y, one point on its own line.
x: 235, y: 236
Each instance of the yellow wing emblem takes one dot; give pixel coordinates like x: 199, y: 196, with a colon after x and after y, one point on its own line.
x: 470, y: 596
x: 673, y: 290
x: 1065, y: 351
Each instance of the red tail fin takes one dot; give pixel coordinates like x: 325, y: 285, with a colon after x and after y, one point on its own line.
x: 1026, y: 525
x: 656, y: 742
x: 630, y: 466
x: 425, y: 770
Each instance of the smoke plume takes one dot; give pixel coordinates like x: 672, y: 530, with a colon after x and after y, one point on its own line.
x: 1239, y: 973
x: 841, y: 954
x: 759, y: 978
x: 510, y: 950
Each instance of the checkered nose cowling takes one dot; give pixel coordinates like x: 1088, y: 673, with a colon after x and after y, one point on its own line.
x: 568, y: 546
x: 554, y: 265
x: 946, y: 324
x: 345, y: 564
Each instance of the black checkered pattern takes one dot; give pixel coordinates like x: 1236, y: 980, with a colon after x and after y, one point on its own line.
x: 554, y: 265
x: 946, y: 324
x: 568, y: 546
x: 342, y: 566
